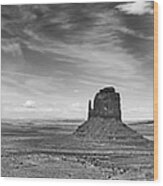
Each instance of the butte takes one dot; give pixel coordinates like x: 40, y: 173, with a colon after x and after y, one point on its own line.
x: 104, y: 122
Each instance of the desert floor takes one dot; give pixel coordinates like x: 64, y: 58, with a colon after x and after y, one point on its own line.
x: 48, y: 149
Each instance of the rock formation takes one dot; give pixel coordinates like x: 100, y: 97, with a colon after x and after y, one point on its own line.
x: 104, y: 121
x: 106, y: 105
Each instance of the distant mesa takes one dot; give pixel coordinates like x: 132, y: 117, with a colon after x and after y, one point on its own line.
x: 104, y: 122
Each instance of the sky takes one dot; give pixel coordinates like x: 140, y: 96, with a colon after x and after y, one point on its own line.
x: 54, y: 58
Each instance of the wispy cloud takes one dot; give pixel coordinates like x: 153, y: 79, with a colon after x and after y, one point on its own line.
x: 139, y: 7
x: 60, y: 55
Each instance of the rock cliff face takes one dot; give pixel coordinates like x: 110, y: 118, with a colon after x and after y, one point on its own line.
x: 104, y: 120
x: 106, y: 105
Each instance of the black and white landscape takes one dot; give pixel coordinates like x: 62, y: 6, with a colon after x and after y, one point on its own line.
x: 77, y: 91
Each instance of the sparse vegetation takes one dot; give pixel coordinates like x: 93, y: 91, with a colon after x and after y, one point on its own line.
x: 46, y: 150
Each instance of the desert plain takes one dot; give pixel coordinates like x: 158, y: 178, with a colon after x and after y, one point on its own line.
x: 48, y: 149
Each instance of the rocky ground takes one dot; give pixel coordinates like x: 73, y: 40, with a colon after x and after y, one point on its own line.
x: 51, y: 151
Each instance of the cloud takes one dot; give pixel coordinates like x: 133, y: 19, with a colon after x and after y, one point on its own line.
x: 130, y: 32
x: 140, y: 7
x: 29, y: 104
x: 75, y: 90
x: 63, y: 54
x: 10, y: 46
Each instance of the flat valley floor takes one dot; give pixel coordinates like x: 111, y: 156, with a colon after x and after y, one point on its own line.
x: 47, y: 149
